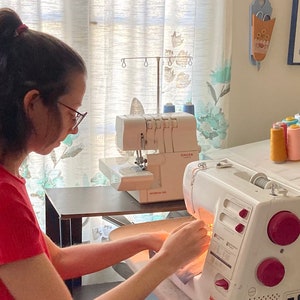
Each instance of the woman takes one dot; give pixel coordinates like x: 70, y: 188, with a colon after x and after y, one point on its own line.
x: 42, y: 83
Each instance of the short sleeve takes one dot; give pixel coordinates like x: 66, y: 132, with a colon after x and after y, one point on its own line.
x: 20, y: 235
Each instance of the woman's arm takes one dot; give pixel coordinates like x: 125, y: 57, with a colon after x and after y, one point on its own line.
x: 36, y: 277
x: 182, y: 246
x: 33, y: 278
x: 75, y: 261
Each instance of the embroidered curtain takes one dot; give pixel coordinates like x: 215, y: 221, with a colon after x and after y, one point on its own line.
x: 157, y: 51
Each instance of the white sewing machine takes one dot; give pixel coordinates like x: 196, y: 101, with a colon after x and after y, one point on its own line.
x: 164, y: 144
x: 254, y: 249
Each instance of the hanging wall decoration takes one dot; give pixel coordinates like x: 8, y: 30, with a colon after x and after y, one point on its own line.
x: 261, y: 28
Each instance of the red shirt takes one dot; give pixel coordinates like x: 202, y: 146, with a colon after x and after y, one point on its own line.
x: 20, y: 234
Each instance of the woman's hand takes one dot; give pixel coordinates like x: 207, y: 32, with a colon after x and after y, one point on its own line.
x: 177, y: 249
x: 155, y: 240
x: 184, y: 244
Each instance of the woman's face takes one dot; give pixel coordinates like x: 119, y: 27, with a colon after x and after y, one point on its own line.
x: 50, y: 130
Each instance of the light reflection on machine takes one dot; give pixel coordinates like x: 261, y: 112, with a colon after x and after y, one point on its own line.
x: 253, y: 254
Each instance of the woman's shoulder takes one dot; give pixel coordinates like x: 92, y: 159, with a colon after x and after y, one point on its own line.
x: 7, y: 178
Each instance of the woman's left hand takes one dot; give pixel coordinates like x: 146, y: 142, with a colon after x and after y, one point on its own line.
x: 155, y: 240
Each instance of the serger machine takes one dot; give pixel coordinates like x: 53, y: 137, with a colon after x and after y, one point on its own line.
x: 163, y: 145
x: 254, y: 249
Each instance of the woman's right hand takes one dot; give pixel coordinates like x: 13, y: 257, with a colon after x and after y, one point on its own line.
x: 184, y: 244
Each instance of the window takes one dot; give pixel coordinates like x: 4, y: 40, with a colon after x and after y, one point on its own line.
x: 104, y: 32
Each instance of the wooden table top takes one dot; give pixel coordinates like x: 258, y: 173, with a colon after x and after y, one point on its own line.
x: 77, y: 202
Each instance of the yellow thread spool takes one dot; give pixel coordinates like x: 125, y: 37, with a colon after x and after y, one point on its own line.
x: 278, y: 152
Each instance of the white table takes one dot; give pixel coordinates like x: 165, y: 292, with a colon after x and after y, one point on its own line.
x: 257, y: 157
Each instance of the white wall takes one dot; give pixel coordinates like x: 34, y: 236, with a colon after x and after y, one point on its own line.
x: 258, y: 98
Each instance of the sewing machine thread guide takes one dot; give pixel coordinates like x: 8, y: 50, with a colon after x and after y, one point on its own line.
x: 224, y: 164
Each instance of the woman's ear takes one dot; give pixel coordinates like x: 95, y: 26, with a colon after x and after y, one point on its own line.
x: 30, y: 99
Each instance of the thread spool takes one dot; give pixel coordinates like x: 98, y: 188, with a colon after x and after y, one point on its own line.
x: 169, y: 107
x: 290, y: 121
x: 189, y: 108
x: 261, y: 180
x: 278, y: 152
x: 284, y: 126
x: 293, y: 133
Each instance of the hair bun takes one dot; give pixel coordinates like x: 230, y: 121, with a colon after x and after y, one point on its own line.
x: 9, y: 22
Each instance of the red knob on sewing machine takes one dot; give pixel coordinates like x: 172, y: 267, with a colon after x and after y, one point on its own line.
x: 284, y: 228
x: 222, y: 283
x: 270, y: 272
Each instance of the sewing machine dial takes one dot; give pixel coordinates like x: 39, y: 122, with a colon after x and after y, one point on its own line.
x: 284, y: 228
x: 270, y: 272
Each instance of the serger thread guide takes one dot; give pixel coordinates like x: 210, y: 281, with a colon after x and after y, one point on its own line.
x: 254, y: 248
x: 163, y: 144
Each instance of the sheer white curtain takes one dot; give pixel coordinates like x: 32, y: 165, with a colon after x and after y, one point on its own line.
x: 126, y: 45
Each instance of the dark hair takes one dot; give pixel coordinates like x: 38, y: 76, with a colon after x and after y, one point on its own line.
x: 29, y: 60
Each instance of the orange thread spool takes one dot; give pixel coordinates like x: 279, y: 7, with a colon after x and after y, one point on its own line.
x: 284, y: 126
x: 278, y: 152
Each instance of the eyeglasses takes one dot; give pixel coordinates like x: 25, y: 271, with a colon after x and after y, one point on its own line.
x: 78, y: 116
